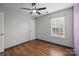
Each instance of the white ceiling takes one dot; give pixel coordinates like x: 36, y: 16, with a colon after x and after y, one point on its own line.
x: 51, y: 7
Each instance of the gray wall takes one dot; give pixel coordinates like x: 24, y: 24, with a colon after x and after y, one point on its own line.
x: 43, y: 28
x: 17, y: 26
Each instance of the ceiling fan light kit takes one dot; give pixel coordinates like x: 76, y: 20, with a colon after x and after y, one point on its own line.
x: 34, y: 9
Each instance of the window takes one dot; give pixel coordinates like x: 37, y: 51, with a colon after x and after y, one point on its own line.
x: 58, y: 27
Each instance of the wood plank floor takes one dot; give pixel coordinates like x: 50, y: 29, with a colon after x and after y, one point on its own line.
x: 37, y: 48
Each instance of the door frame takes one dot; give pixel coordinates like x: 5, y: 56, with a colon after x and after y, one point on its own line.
x: 2, y: 30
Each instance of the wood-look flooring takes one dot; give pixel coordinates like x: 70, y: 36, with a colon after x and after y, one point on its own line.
x: 37, y: 48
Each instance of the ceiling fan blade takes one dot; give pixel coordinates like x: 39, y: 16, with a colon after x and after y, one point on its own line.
x: 41, y: 8
x: 26, y: 8
x: 39, y: 13
x: 31, y: 12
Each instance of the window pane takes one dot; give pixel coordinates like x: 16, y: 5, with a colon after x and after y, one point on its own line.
x: 61, y: 31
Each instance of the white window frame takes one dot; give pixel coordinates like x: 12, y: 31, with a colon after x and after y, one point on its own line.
x: 52, y: 21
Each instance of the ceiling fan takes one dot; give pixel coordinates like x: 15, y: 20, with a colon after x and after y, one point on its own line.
x: 34, y: 9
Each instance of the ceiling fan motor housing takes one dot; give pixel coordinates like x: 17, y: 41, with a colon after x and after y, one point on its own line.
x: 33, y: 4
